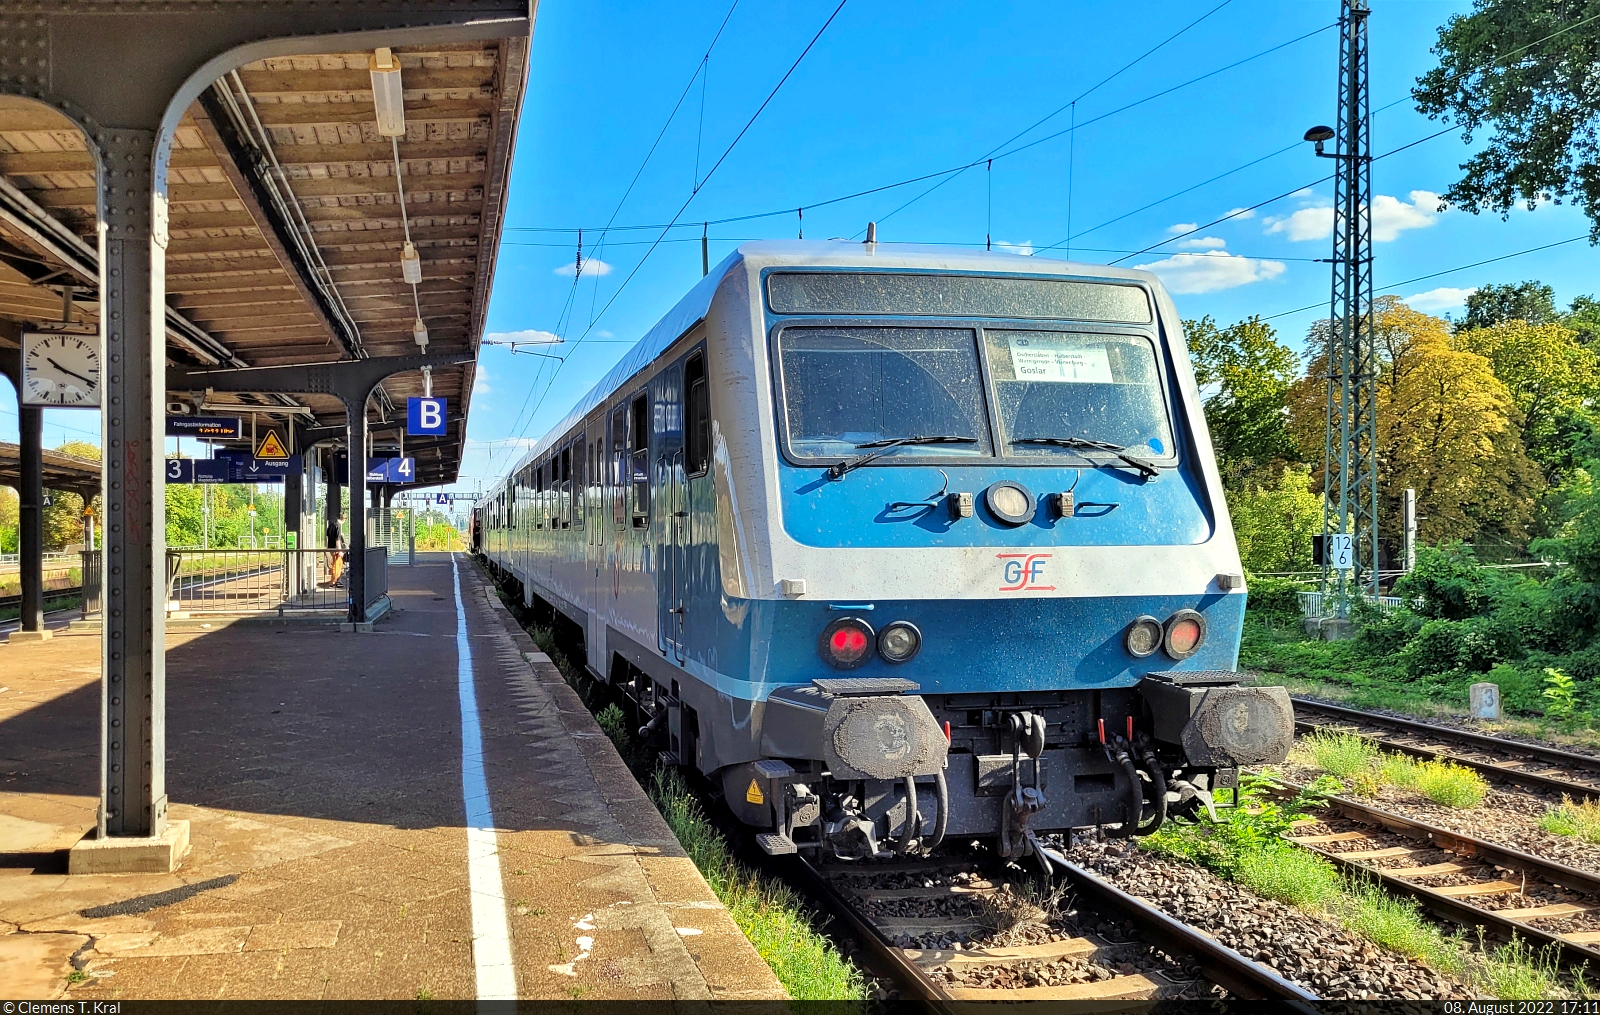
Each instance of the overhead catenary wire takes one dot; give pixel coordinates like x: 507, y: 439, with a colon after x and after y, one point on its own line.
x: 923, y: 177
x: 1447, y: 271
x: 700, y: 67
x: 689, y: 200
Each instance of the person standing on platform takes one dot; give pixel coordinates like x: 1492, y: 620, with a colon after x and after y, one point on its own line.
x: 335, y: 539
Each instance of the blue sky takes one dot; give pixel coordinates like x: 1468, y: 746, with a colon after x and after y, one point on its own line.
x: 886, y: 95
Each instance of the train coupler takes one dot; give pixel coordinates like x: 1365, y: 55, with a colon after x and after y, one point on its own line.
x: 1024, y: 801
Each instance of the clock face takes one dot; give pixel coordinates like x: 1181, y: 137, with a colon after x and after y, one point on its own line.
x: 61, y: 370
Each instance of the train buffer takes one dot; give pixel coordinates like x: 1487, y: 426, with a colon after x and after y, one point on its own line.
x: 424, y: 811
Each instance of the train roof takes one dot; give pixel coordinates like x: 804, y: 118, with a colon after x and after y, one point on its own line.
x: 692, y: 308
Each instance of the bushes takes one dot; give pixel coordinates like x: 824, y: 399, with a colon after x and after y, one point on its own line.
x: 1275, y: 600
x: 1447, y: 583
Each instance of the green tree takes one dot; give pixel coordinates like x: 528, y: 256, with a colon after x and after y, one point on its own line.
x: 1533, y: 302
x: 1552, y: 378
x: 63, y: 519
x: 10, y: 519
x: 1447, y: 427
x: 1274, y: 523
x: 1252, y: 373
x: 1584, y: 318
x: 1523, y: 69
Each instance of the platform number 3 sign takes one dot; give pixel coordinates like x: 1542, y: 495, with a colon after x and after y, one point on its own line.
x: 1341, y: 551
x: 425, y: 417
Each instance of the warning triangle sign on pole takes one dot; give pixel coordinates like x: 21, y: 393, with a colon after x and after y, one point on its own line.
x: 271, y: 447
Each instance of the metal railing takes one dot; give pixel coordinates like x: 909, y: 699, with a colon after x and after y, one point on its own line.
x: 249, y: 581
x: 1317, y: 605
x: 377, y: 585
x: 252, y: 581
x: 90, y: 565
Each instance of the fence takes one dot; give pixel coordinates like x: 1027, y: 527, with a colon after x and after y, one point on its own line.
x: 377, y: 585
x: 1316, y: 605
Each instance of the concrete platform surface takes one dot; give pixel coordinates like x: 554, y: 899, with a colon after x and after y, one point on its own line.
x: 322, y: 778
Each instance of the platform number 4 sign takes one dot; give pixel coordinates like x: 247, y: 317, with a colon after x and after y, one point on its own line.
x: 1341, y: 551
x: 425, y: 417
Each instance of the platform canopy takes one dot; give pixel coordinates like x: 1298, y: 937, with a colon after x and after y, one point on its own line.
x: 61, y: 471
x: 285, y: 225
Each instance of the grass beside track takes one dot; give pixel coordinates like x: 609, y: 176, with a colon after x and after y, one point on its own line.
x: 777, y: 921
x: 1248, y: 848
x: 1367, y: 768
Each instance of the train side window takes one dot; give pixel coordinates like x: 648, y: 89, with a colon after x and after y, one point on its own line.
x: 564, y: 508
x: 639, y: 443
x: 619, y: 466
x: 538, y: 497
x: 580, y: 481
x: 697, y: 416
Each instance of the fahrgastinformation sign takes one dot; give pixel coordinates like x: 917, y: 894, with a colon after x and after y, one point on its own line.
x: 215, y: 428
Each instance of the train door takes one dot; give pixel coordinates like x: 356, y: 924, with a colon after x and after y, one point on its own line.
x: 671, y: 541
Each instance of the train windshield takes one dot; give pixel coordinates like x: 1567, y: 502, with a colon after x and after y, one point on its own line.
x: 848, y: 387
x: 1061, y: 385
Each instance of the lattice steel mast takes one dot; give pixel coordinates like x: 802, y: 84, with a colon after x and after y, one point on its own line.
x: 1350, y: 463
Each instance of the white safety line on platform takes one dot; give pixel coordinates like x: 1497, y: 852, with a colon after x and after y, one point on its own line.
x: 491, y: 934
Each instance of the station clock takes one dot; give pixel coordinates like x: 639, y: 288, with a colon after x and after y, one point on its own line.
x: 60, y: 370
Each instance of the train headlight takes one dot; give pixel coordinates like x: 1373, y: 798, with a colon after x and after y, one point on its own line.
x: 846, y: 643
x: 1010, y: 502
x: 1143, y: 637
x: 899, y: 641
x: 1185, y: 632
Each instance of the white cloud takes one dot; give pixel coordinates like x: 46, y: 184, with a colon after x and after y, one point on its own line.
x: 1182, y: 227
x: 480, y: 381
x: 530, y: 336
x: 1239, y: 214
x: 1305, y: 224
x: 1435, y: 300
x: 1212, y: 271
x: 1391, y: 216
x: 1025, y: 248
x: 592, y: 266
x: 1302, y: 192
x: 1202, y: 243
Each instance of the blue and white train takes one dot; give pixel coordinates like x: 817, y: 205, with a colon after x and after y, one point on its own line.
x: 895, y: 543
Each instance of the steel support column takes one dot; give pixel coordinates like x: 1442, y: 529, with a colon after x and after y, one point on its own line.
x: 133, y: 330
x: 355, y: 407
x: 30, y: 527
x: 126, y: 73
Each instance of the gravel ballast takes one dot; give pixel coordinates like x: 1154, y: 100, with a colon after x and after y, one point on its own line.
x: 1313, y: 951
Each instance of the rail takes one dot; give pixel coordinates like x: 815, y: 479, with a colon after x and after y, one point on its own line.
x: 1470, y: 857
x: 1222, y: 965
x: 1517, y: 762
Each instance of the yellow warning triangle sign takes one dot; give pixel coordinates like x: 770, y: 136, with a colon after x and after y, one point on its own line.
x: 271, y: 447
x: 754, y: 794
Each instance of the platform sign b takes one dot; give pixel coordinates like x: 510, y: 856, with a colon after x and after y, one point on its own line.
x: 425, y: 417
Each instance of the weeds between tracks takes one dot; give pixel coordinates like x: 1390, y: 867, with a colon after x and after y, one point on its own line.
x: 1359, y: 760
x: 1248, y: 848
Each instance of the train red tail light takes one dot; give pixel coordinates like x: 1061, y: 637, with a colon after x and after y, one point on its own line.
x: 846, y: 643
x: 1184, y: 634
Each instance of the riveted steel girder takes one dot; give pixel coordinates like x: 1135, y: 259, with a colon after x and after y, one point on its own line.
x: 125, y: 71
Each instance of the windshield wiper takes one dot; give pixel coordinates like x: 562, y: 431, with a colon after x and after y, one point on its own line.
x: 1083, y: 443
x: 888, y: 444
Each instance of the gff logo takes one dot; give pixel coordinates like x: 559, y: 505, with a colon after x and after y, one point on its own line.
x: 1023, y: 572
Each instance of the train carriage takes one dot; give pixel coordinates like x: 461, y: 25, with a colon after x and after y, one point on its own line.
x: 895, y: 543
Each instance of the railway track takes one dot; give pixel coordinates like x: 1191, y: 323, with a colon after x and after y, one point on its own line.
x: 49, y: 594
x: 1462, y: 879
x: 1162, y: 958
x: 1529, y: 766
